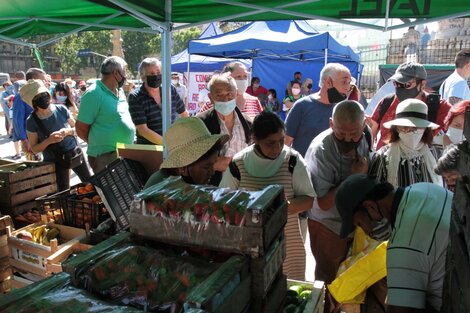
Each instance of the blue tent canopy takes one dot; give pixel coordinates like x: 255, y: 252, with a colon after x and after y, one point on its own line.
x: 200, y: 63
x: 278, y: 49
x: 294, y: 40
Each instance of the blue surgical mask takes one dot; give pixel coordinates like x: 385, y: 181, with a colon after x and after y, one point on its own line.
x: 225, y: 107
x: 61, y: 99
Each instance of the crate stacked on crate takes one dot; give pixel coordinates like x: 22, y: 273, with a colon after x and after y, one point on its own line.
x: 36, y: 251
x: 117, y: 184
x: 22, y: 183
x: 5, y: 268
x: 249, y: 223
x: 225, y: 290
x: 79, y: 206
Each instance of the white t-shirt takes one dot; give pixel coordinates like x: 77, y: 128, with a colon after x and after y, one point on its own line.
x: 455, y: 86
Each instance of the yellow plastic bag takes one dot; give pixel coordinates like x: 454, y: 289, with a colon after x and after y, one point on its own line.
x: 362, y: 269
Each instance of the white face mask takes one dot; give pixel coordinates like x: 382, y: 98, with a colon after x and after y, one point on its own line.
x: 295, y: 91
x: 174, y: 82
x: 225, y: 107
x: 270, y: 97
x: 455, y: 134
x: 241, y: 85
x: 411, y: 140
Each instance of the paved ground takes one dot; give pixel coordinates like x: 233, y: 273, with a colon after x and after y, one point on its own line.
x: 7, y: 150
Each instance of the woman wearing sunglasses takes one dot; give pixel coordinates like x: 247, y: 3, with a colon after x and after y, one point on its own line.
x: 408, y: 157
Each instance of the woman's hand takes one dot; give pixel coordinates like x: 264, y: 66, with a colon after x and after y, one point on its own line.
x: 56, y: 136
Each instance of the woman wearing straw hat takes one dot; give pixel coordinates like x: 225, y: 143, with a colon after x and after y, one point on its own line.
x: 50, y: 130
x: 408, y: 158
x: 192, y: 152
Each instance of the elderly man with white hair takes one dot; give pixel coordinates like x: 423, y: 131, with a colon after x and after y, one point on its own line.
x: 310, y: 115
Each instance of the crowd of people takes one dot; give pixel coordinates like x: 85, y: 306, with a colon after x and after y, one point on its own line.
x: 339, y: 168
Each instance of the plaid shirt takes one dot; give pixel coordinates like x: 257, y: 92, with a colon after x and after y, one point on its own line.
x: 237, y: 140
x: 144, y: 110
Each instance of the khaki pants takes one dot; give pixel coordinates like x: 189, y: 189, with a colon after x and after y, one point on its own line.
x: 99, y: 162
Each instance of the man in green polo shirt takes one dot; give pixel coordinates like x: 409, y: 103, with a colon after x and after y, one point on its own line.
x: 104, y: 118
x: 415, y: 220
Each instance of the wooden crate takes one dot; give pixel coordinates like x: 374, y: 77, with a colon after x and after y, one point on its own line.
x: 273, y: 302
x: 6, y: 162
x: 264, y: 221
x: 40, y: 259
x: 264, y: 270
x: 315, y: 302
x: 21, y: 188
x: 5, y: 268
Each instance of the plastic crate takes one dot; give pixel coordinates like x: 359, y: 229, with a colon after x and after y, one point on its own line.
x: 118, y: 183
x: 70, y: 208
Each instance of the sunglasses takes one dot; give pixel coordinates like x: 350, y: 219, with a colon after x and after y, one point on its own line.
x: 407, y: 85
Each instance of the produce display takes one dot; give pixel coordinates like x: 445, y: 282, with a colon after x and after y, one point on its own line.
x: 56, y: 294
x: 41, y: 234
x: 153, y: 280
x: 296, y: 299
x: 175, y: 200
x: 31, y: 216
x: 19, y: 168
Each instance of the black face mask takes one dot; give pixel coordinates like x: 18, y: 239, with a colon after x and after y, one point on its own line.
x: 154, y: 81
x: 334, y: 96
x: 403, y: 93
x: 42, y: 101
x: 122, y: 81
x: 309, y: 86
x: 345, y: 147
x: 83, y: 89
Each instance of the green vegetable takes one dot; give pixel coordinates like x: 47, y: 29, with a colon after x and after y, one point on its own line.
x: 297, y: 288
x: 305, y: 294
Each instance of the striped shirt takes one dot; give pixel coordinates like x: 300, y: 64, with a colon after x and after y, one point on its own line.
x: 256, y: 173
x: 416, y: 251
x: 145, y: 110
x: 237, y: 140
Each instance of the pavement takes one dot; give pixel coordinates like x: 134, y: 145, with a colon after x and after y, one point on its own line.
x: 7, y: 150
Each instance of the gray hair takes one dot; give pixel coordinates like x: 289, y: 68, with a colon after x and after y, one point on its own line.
x: 34, y: 73
x: 224, y: 79
x: 448, y: 161
x: 348, y: 111
x: 145, y: 64
x: 111, y: 64
x: 330, y: 70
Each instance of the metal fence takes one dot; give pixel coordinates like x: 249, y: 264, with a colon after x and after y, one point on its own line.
x: 371, y: 58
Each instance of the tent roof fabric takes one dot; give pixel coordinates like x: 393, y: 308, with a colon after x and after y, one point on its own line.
x: 20, y: 18
x: 295, y: 40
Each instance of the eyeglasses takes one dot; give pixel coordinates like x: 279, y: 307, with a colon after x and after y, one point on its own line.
x: 407, y: 129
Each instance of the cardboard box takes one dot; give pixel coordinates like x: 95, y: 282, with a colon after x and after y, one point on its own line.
x: 151, y: 156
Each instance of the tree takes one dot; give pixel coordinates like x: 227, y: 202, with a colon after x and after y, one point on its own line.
x: 136, y: 47
x: 182, y: 37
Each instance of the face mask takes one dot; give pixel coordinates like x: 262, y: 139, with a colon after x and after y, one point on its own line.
x: 174, y: 82
x: 122, y: 81
x: 455, y: 134
x: 309, y: 86
x: 270, y: 97
x: 83, y: 88
x: 154, y: 81
x: 61, y: 99
x: 295, y: 91
x: 403, y: 93
x: 334, y: 96
x: 241, y: 85
x: 225, y: 108
x: 42, y: 101
x: 411, y: 140
x: 345, y: 147
x: 381, y: 230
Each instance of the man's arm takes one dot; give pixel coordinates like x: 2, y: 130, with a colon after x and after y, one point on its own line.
x: 184, y: 114
x: 454, y: 100
x: 149, y: 134
x: 328, y: 200
x: 83, y: 130
x: 299, y: 204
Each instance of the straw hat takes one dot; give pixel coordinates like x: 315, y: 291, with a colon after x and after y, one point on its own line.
x: 32, y: 88
x: 411, y: 113
x: 70, y: 82
x: 187, y: 140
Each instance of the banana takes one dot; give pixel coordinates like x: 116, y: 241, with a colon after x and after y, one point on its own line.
x: 37, y: 233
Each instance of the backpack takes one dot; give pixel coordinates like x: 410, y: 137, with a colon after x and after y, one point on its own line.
x: 432, y: 100
x: 236, y: 172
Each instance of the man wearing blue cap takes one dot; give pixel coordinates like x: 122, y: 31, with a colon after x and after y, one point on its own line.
x: 415, y: 220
